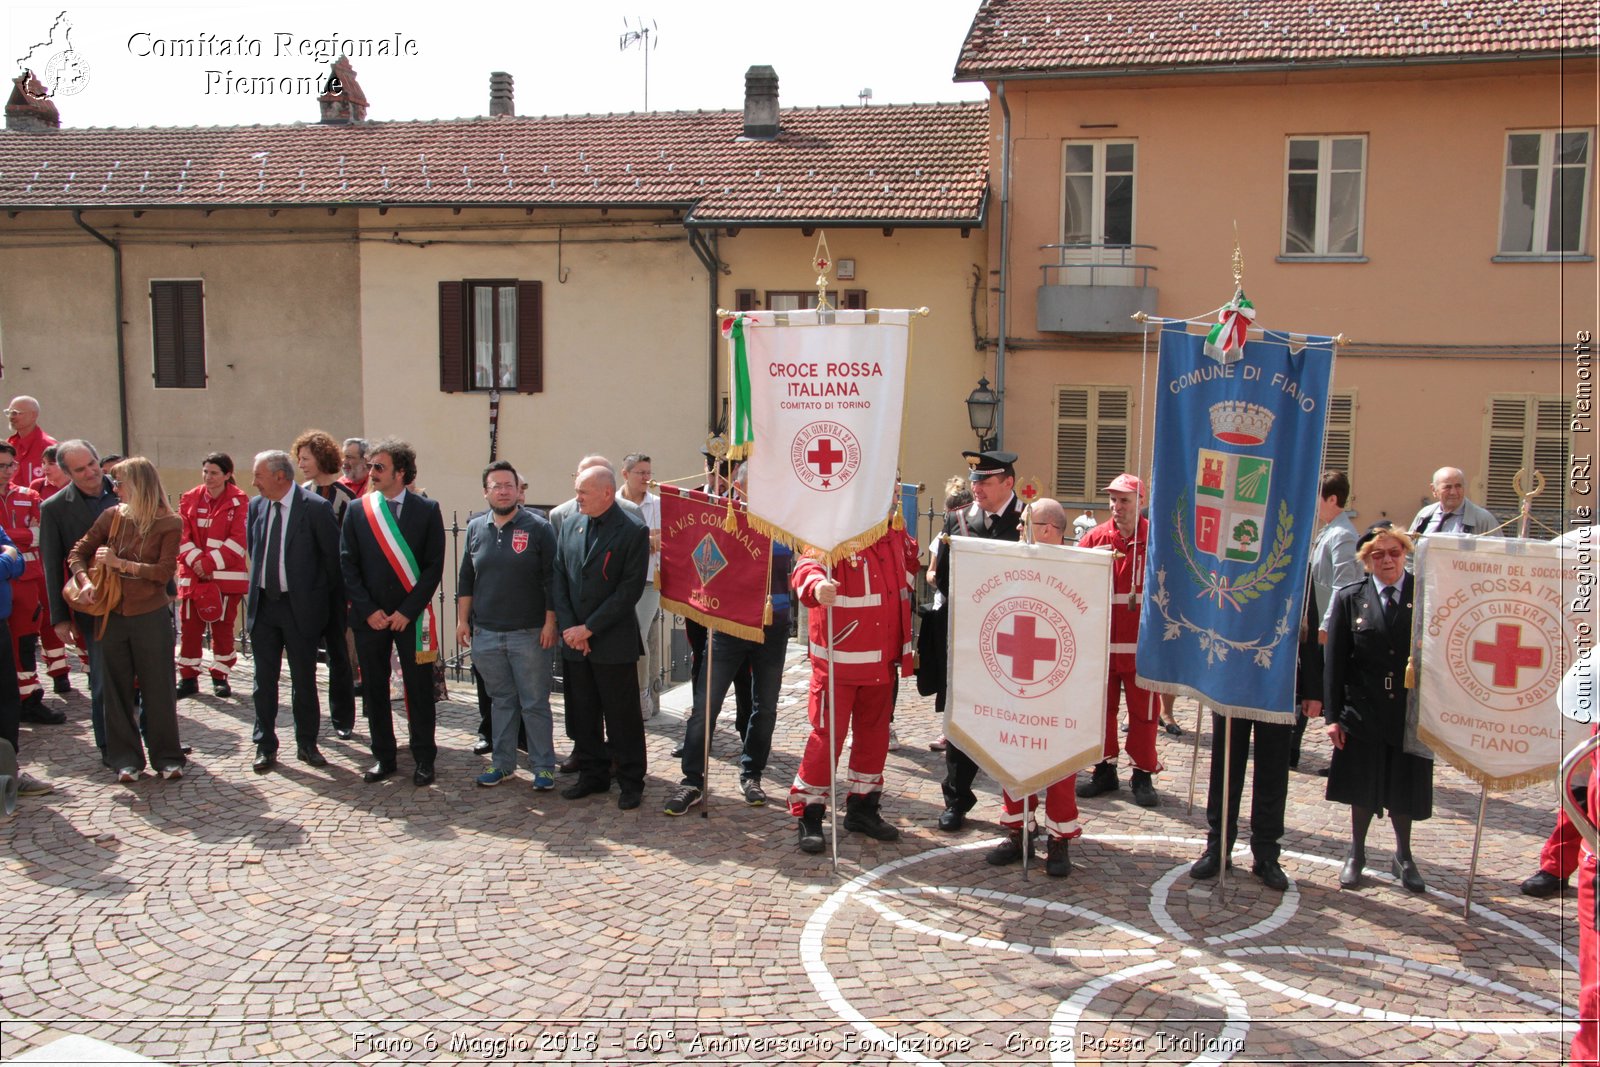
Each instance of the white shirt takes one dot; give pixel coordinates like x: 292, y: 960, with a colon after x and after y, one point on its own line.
x: 650, y: 512
x: 283, y: 537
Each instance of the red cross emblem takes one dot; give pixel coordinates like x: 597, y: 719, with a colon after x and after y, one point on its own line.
x: 1507, y: 654
x: 1024, y: 647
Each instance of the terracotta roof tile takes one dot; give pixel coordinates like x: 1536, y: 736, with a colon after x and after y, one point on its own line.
x: 897, y: 163
x: 1041, y: 36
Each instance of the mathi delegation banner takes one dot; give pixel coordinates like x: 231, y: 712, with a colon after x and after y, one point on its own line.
x: 817, y: 406
x: 1030, y: 627
x: 1238, y: 457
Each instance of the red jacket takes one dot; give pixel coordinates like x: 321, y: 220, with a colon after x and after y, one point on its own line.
x: 871, y: 615
x: 1127, y: 576
x: 19, y: 514
x: 30, y: 455
x: 42, y: 486
x: 213, y: 545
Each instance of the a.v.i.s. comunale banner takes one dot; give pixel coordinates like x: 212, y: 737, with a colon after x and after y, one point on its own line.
x: 817, y: 408
x: 1238, y: 456
x: 714, y: 567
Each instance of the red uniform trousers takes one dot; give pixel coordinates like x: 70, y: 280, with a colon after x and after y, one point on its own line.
x: 862, y: 711
x: 192, y: 630
x: 1559, y: 856
x: 1143, y: 721
x: 28, y: 616
x: 1060, y: 818
x: 1585, y: 1048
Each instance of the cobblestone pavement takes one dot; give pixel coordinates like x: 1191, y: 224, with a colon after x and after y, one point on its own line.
x: 303, y: 916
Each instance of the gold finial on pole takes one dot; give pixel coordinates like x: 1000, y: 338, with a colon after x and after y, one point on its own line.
x: 823, y: 261
x: 1238, y: 258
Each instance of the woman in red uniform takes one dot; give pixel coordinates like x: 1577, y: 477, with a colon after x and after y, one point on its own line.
x: 213, y: 573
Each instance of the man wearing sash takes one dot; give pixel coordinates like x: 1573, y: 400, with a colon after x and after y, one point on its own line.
x: 392, y: 555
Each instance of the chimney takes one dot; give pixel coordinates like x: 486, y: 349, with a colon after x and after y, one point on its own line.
x: 342, y: 100
x: 500, y: 102
x: 761, y: 104
x: 30, y: 108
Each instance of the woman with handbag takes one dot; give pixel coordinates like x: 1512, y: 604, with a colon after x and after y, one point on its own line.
x: 133, y: 548
x: 213, y: 574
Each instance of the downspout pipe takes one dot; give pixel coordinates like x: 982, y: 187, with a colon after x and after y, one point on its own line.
x: 122, y: 362
x: 706, y: 250
x: 1005, y: 264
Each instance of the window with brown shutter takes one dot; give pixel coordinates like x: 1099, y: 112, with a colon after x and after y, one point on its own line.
x: 491, y: 335
x: 178, y: 334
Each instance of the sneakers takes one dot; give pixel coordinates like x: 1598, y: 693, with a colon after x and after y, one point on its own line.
x: 754, y: 795
x: 494, y: 776
x: 29, y: 786
x: 861, y: 817
x: 1009, y: 851
x: 1144, y: 790
x: 172, y: 772
x: 1104, y: 780
x: 682, y: 799
x: 811, y: 839
x: 544, y: 781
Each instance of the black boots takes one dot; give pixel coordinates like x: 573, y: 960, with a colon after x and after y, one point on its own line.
x: 811, y: 839
x: 861, y: 817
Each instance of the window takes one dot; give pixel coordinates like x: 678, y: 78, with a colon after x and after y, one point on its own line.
x: 178, y: 334
x: 1527, y: 432
x: 1097, y: 194
x: 491, y: 336
x: 1092, y: 434
x: 1339, y: 446
x: 800, y: 300
x: 1323, y: 204
x: 1543, y: 210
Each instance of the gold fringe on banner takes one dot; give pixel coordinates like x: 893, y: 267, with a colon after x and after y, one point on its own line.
x: 711, y: 622
x: 1507, y: 784
x: 766, y: 612
x: 844, y: 550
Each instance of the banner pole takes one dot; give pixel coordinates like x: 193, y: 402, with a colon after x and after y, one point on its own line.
x: 1194, y: 760
x: 1477, y: 838
x: 705, y: 733
x: 833, y: 751
x: 1225, y: 845
x: 1027, y: 836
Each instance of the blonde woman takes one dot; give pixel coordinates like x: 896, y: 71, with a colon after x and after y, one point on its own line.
x: 137, y: 644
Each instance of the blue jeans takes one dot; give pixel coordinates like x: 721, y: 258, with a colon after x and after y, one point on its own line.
x: 730, y: 655
x: 516, y: 672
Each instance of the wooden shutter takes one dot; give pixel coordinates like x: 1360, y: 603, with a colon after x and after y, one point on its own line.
x: 1110, y: 436
x: 1092, y: 439
x: 1527, y: 432
x: 744, y: 300
x: 1072, y: 443
x: 1338, y: 448
x: 178, y: 334
x: 452, y: 337
x: 854, y: 300
x: 530, y: 337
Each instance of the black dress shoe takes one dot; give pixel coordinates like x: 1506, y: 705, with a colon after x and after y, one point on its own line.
x: 187, y: 687
x: 264, y: 761
x: 677, y: 753
x: 580, y: 789
x: 1207, y: 866
x: 568, y: 765
x: 343, y: 735
x: 952, y: 819
x: 1543, y: 884
x: 629, y: 801
x: 423, y: 775
x: 483, y: 747
x: 378, y: 772
x: 310, y: 754
x: 1410, y: 877
x: 1350, y: 873
x: 1271, y: 875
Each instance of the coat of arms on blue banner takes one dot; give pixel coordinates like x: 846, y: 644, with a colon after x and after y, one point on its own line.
x: 1238, y: 455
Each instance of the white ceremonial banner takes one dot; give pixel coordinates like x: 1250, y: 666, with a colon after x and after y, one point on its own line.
x: 1030, y: 627
x: 1497, y: 626
x: 826, y: 402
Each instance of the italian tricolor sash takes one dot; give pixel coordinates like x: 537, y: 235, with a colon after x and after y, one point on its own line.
x: 387, y: 531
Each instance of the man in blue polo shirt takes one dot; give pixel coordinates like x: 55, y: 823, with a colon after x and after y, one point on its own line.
x: 503, y: 614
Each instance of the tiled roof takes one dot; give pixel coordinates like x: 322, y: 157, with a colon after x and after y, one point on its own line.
x: 906, y: 164
x: 1082, y: 36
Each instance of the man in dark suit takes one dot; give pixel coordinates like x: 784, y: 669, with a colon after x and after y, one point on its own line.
x: 601, y: 557
x: 63, y: 519
x: 294, y: 576
x: 392, y: 555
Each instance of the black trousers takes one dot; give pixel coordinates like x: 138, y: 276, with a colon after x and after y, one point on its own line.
x: 372, y: 651
x: 274, y: 635
x: 959, y: 773
x: 744, y: 681
x: 341, y: 675
x: 603, y: 719
x: 1269, y: 788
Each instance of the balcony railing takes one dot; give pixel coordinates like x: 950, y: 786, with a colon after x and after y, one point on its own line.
x: 1094, y: 288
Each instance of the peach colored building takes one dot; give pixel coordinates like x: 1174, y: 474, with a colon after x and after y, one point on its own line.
x: 1417, y: 177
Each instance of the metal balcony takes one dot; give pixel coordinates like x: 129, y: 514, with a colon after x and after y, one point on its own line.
x: 1094, y: 288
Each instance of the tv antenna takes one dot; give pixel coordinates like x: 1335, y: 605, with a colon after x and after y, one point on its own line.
x: 865, y: 96
x: 646, y: 37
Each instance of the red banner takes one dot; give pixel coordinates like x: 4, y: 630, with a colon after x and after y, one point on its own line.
x: 714, y: 567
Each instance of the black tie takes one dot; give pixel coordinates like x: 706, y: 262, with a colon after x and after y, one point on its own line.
x: 589, y: 535
x: 394, y: 508
x: 1391, y: 608
x: 274, y: 550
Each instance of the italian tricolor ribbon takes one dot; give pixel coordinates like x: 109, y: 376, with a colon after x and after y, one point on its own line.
x: 743, y: 421
x: 395, y: 549
x: 1233, y: 324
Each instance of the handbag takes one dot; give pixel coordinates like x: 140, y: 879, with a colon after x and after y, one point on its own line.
x: 105, y: 583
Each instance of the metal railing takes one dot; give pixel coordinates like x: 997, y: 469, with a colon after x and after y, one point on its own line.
x: 1125, y: 255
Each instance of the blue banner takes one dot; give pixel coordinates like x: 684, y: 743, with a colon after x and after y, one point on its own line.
x: 1233, y: 506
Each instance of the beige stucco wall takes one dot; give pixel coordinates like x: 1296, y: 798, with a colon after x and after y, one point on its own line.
x: 283, y: 344
x: 1211, y: 155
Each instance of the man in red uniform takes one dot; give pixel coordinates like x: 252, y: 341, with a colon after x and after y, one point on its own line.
x: 19, y: 515
x: 26, y: 437
x: 869, y: 594
x: 212, y: 553
x: 1127, y: 534
x: 54, y: 478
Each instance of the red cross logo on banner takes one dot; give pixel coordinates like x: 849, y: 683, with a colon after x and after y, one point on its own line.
x: 1507, y: 654
x: 825, y: 456
x: 1024, y: 647
x: 1027, y: 646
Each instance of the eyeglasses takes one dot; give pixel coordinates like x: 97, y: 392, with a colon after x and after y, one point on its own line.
x: 1387, y: 553
x: 377, y: 468
x: 502, y: 487
x: 116, y: 483
x: 7, y: 466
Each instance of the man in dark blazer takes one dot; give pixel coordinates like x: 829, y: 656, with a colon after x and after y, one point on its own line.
x: 384, y: 612
x: 601, y: 557
x: 63, y: 519
x: 294, y: 576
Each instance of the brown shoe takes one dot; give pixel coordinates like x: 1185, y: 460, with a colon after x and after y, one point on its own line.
x: 568, y: 765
